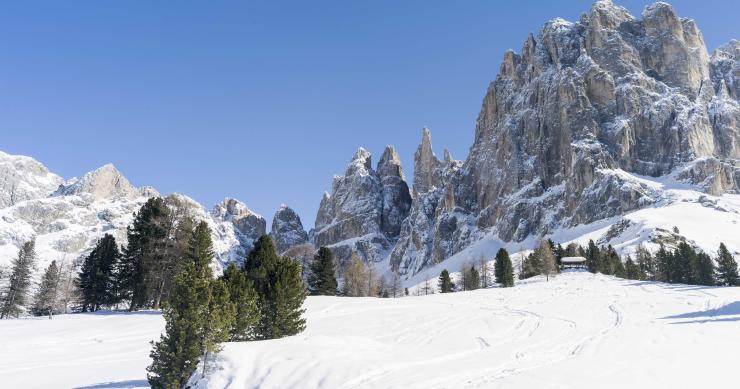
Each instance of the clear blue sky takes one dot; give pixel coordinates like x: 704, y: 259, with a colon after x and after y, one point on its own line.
x: 260, y: 100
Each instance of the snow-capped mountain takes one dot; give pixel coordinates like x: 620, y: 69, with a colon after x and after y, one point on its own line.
x: 615, y: 128
x: 66, y: 218
x: 592, y: 122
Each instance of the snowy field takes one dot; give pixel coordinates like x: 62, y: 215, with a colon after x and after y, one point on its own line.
x: 107, y: 350
x: 577, y: 331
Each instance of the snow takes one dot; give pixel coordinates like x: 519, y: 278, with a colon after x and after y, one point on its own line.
x: 101, y: 350
x: 579, y: 330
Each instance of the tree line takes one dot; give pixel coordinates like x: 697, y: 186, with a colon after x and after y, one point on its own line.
x: 472, y: 278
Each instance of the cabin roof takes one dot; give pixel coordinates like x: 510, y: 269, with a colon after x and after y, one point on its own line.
x: 572, y: 260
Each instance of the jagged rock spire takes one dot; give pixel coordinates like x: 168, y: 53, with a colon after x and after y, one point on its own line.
x: 426, y: 165
x: 287, y: 229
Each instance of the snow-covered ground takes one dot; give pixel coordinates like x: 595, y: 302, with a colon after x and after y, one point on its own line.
x: 103, y: 350
x: 578, y: 330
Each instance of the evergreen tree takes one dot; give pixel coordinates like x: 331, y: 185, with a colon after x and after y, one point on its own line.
x: 593, y: 255
x: 646, y: 263
x: 219, y: 318
x: 685, y: 266
x: 664, y: 265
x: 16, y: 293
x: 504, y: 271
x: 322, y: 280
x: 245, y: 299
x: 96, y: 280
x: 45, y: 301
x: 285, y: 299
x: 727, y: 273
x: 445, y: 283
x: 277, y: 281
x: 473, y: 279
x: 705, y: 270
x: 198, y: 315
x: 632, y: 270
x: 140, y: 270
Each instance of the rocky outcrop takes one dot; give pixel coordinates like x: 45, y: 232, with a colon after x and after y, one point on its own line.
x: 570, y: 123
x: 105, y: 182
x: 248, y: 226
x: 435, y: 227
x: 426, y: 165
x: 395, y: 193
x: 363, y: 214
x: 287, y: 229
x: 23, y: 178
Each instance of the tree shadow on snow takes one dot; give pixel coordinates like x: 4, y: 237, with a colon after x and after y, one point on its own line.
x: 118, y: 385
x: 106, y: 312
x: 715, y: 314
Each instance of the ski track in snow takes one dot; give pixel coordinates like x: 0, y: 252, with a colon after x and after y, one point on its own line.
x: 576, y: 331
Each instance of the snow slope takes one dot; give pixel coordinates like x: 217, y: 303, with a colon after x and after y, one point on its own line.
x: 577, y: 331
x: 102, y: 350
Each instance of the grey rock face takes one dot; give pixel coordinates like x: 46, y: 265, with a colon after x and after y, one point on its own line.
x: 364, y: 212
x: 249, y: 225
x: 105, y: 182
x: 287, y: 229
x: 426, y: 165
x: 436, y: 227
x: 565, y: 118
x: 395, y: 193
x: 24, y: 178
x: 610, y: 92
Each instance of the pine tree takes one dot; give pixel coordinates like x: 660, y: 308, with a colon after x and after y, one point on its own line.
x: 198, y: 315
x: 245, y: 299
x: 664, y: 265
x: 503, y: 269
x: 218, y: 321
x: 96, y: 280
x: 646, y: 263
x: 175, y: 355
x: 473, y: 279
x: 593, y: 255
x: 445, y: 283
x: 285, y: 301
x: 727, y: 274
x: 45, y: 300
x: 322, y: 280
x: 277, y: 281
x: 16, y: 293
x: 632, y: 270
x: 146, y: 237
x: 705, y: 270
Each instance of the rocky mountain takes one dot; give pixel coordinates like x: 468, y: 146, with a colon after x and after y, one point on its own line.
x: 591, y: 120
x: 364, y: 212
x: 287, y: 229
x: 24, y: 178
x: 67, y: 217
x: 615, y: 128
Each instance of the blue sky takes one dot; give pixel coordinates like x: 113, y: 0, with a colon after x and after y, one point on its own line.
x: 260, y: 100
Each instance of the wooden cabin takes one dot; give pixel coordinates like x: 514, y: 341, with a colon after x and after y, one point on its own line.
x: 573, y: 263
